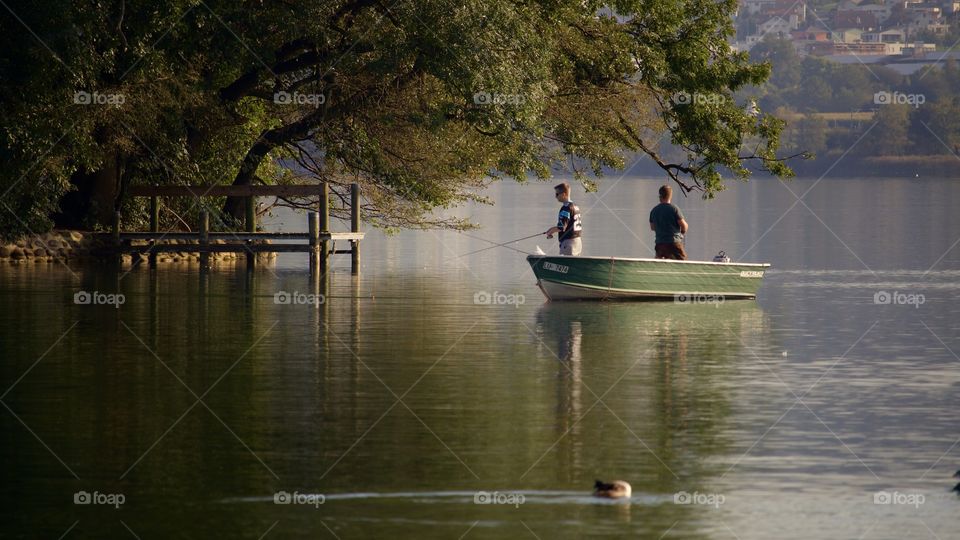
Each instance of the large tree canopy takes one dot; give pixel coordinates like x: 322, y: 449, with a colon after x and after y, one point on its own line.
x: 422, y: 102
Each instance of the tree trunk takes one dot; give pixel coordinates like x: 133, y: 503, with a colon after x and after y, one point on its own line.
x: 234, y: 206
x: 94, y: 200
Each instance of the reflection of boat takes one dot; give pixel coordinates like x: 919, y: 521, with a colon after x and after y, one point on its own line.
x: 584, y: 326
x: 615, y: 278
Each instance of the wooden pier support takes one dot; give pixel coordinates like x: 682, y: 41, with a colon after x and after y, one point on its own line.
x: 251, y: 223
x: 324, y: 209
x: 118, y: 260
x: 355, y: 227
x: 204, y: 239
x: 313, y: 230
x: 154, y: 227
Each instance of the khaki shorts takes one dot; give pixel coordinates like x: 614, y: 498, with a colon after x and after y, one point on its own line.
x: 571, y: 246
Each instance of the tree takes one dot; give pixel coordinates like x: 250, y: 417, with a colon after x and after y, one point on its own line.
x: 934, y: 129
x: 423, y: 103
x: 890, y: 135
x: 782, y: 54
x: 812, y: 134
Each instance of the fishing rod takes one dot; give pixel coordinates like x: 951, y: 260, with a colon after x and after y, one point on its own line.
x: 495, y: 245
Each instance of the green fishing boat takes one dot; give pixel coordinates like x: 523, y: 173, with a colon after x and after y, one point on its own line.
x: 616, y: 278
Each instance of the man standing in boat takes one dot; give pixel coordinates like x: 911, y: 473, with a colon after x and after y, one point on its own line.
x: 568, y: 222
x: 667, y: 221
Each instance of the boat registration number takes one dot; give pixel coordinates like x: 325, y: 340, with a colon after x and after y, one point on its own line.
x: 556, y: 267
x: 751, y: 273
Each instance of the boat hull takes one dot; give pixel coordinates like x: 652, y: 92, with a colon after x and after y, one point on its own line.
x: 612, y: 278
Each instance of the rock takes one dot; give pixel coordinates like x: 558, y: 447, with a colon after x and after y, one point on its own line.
x: 5, y: 251
x: 17, y: 253
x: 76, y: 236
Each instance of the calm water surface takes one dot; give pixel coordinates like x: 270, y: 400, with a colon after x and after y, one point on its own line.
x: 400, y: 398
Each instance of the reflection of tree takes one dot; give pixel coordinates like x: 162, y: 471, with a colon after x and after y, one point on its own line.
x: 695, y: 349
x: 670, y: 358
x: 676, y: 398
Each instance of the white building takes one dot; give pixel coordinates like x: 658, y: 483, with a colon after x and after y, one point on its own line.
x: 893, y: 35
x: 778, y: 26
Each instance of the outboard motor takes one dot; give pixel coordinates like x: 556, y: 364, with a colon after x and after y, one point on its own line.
x: 721, y: 258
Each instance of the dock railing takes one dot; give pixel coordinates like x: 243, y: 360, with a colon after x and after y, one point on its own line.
x: 320, y: 241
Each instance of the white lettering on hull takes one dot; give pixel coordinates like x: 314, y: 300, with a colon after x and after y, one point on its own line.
x: 559, y: 268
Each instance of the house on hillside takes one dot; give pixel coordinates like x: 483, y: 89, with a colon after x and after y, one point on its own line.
x: 834, y: 48
x: 918, y: 50
x: 923, y: 14
x: 785, y: 9
x: 861, y: 20
x: 893, y: 35
x: 847, y: 35
x: 880, y: 11
x: 802, y: 39
x: 925, y: 18
x: 812, y: 33
x: 751, y: 7
x: 778, y: 26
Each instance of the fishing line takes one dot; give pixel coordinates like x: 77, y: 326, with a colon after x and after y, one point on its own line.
x: 496, y: 245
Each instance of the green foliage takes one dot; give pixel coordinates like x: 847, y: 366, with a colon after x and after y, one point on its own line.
x: 814, y: 85
x: 889, y: 135
x: 423, y: 103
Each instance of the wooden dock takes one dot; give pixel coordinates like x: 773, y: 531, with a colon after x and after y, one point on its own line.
x: 318, y: 241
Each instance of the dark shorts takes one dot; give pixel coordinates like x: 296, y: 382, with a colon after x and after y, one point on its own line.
x: 670, y: 251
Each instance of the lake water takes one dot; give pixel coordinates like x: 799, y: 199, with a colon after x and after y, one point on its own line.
x: 403, y: 405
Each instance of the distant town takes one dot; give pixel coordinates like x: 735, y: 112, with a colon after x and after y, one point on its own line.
x: 905, y: 36
x: 867, y: 88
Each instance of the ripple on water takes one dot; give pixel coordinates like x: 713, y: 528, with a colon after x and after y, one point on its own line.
x: 461, y: 497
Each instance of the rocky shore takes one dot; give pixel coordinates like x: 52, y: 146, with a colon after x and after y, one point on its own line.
x: 69, y: 245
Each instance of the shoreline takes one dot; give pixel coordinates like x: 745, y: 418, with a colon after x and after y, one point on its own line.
x: 834, y: 166
x: 61, y: 245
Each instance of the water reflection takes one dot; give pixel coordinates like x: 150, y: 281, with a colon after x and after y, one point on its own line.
x: 564, y: 338
x: 666, y: 370
x: 697, y: 395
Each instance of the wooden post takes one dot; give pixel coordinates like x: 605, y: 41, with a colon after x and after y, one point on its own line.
x: 314, y: 232
x: 324, y: 208
x: 116, y: 238
x: 154, y: 227
x: 355, y: 227
x: 204, y: 239
x: 251, y: 228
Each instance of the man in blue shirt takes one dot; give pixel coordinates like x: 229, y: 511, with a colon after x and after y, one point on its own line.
x: 667, y: 221
x: 568, y: 222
